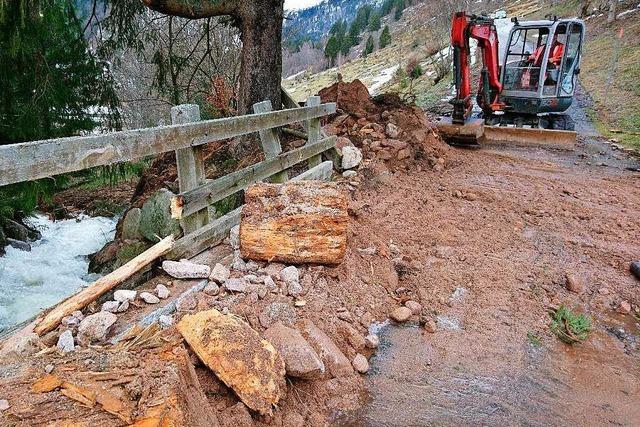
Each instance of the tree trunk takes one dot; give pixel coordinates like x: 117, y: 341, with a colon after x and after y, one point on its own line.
x: 612, y: 11
x: 261, y: 62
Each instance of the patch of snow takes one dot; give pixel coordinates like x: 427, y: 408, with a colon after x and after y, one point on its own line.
x: 56, y: 267
x: 385, y: 76
x: 296, y: 75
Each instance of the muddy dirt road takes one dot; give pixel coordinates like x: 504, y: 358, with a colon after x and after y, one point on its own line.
x: 490, y: 241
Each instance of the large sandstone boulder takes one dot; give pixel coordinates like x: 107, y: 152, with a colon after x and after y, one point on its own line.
x: 155, y: 217
x: 235, y: 352
x: 300, y: 359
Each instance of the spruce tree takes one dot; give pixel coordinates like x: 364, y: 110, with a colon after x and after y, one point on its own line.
x: 331, y: 50
x: 51, y: 84
x: 374, y: 22
x: 385, y: 37
x: 369, y: 46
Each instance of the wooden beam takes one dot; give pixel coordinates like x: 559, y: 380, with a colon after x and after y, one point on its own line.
x: 313, y: 130
x: 270, y: 141
x: 217, y: 230
x: 215, y: 190
x: 287, y: 99
x: 103, y: 285
x: 190, y: 166
x: 40, y: 159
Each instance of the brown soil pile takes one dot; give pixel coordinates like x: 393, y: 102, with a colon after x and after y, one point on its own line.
x: 384, y: 128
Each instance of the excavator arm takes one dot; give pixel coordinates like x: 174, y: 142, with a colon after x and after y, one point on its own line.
x: 482, y: 29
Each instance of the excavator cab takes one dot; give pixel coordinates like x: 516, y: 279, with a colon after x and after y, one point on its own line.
x: 539, y: 70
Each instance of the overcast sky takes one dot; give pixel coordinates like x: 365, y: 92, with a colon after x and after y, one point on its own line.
x: 300, y: 4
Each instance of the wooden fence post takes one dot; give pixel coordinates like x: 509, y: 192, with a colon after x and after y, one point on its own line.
x: 270, y: 140
x: 190, y: 162
x: 313, y: 131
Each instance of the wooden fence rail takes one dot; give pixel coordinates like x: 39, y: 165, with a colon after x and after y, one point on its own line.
x: 41, y: 159
x: 186, y: 136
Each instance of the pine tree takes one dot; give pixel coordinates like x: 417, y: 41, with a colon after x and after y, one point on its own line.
x: 331, y: 50
x: 374, y: 22
x: 369, y: 47
x: 385, y: 37
x: 400, y: 5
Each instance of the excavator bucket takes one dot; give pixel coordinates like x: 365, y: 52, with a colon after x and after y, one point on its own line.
x: 475, y: 133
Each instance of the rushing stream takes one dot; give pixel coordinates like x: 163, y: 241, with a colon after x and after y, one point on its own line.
x: 54, y: 269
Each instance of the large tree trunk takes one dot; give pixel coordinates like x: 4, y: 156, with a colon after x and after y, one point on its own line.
x: 261, y: 66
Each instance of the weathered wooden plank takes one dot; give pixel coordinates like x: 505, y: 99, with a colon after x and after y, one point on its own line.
x: 40, y: 159
x: 214, y: 232
x: 287, y: 99
x: 215, y: 190
x: 321, y: 172
x: 270, y: 141
x: 190, y: 165
x: 296, y: 222
x: 313, y: 131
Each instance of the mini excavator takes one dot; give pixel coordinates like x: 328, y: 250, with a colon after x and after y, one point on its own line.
x: 521, y: 96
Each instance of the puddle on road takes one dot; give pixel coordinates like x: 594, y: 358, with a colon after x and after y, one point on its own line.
x: 411, y: 383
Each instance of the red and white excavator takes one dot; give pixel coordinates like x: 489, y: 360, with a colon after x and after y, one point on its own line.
x: 522, y: 94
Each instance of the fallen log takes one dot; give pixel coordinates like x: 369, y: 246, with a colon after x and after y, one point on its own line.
x: 102, y: 286
x: 296, y: 222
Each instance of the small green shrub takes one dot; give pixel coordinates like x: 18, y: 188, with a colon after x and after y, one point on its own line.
x: 569, y: 327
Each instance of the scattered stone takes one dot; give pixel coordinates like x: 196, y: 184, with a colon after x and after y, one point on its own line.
x: 122, y: 295
x: 238, y: 356
x: 270, y: 284
x: 251, y: 265
x: 604, y: 291
x: 574, y: 284
x: 334, y: 360
x: 4, y: 405
x: 219, y: 274
x: 458, y: 294
x: 300, y: 360
x: 635, y: 269
x: 392, y: 130
x: 70, y: 321
x: 414, y: 306
x: 49, y: 368
x: 430, y: 326
x: 405, y: 153
x: 294, y: 419
x: 277, y: 312
x: 78, y: 315
x: 212, y: 289
x: 234, y: 237
x: 262, y: 291
x: 401, y: 314
x: 162, y: 292
x: 351, y: 157
x: 149, y: 298
x: 165, y: 321
x: 65, y: 342
x: 624, y: 307
x: 349, y: 174
x: 124, y: 306
x: 186, y: 270
x: 353, y: 337
x: 291, y: 277
x: 95, y: 327
x: 236, y: 285
x: 300, y: 303
x: 360, y: 364
x: 371, y: 250
x: 372, y: 341
x: 15, y: 230
x: 110, y: 306
x: 238, y: 263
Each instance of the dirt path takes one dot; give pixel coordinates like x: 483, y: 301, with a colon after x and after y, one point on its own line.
x: 503, y: 226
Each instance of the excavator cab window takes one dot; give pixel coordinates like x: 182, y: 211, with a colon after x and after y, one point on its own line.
x: 571, y: 60
x: 525, y: 53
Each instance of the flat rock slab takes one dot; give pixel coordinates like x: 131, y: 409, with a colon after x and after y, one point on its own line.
x: 296, y: 222
x: 236, y: 353
x: 336, y: 362
x: 186, y: 270
x: 300, y: 359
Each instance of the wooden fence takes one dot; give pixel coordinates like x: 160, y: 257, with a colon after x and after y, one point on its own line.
x: 187, y: 136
